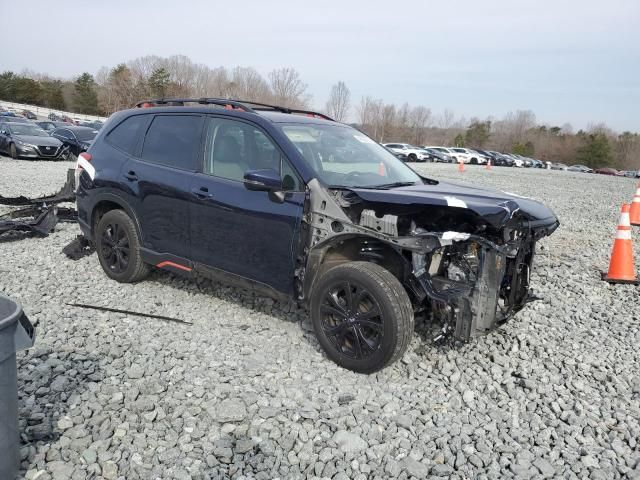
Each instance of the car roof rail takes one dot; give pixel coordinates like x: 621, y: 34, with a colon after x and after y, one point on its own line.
x: 244, y: 105
x: 173, y: 102
x: 265, y: 107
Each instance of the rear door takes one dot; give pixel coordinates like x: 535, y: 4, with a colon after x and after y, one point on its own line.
x: 249, y: 233
x: 159, y: 180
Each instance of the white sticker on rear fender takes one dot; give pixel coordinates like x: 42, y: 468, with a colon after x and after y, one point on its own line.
x: 90, y: 169
x: 455, y: 202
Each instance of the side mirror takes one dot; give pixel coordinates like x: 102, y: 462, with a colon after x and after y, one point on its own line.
x: 263, y: 180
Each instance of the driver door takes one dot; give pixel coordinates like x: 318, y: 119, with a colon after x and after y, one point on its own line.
x: 249, y: 233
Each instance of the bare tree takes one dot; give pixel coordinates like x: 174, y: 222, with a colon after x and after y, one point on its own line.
x: 446, y: 119
x: 248, y: 84
x: 419, y: 118
x: 339, y: 102
x: 287, y: 88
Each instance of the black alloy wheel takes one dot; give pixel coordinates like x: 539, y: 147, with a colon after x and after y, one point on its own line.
x: 118, y: 247
x: 362, y: 316
x: 352, y: 320
x: 115, y: 247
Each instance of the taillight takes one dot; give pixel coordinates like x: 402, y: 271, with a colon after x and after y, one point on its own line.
x: 84, y: 164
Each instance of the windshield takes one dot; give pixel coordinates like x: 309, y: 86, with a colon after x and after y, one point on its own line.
x: 342, y: 156
x: 26, y: 129
x: 85, y: 135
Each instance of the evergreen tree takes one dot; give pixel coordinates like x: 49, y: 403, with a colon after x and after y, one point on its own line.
x: 478, y: 133
x: 596, y: 151
x: 158, y: 82
x: 85, y: 98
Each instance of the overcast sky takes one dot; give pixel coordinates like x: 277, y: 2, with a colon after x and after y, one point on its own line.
x: 574, y: 61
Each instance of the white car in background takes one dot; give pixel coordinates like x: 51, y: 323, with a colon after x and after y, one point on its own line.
x: 517, y: 162
x: 468, y: 156
x: 414, y: 154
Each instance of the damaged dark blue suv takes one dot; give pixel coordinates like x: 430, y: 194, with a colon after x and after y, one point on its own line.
x: 293, y: 204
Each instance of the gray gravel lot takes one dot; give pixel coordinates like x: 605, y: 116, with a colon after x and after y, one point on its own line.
x: 246, y: 392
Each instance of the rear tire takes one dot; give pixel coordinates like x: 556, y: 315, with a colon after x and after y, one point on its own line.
x: 118, y: 248
x: 362, y: 316
x: 412, y: 157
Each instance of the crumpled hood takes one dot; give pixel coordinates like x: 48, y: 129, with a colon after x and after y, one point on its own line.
x: 494, y: 206
x: 39, y: 140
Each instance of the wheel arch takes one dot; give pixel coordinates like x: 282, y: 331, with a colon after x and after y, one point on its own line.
x: 349, y: 248
x: 107, y: 202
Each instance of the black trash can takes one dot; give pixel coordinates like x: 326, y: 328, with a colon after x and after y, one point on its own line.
x: 16, y: 333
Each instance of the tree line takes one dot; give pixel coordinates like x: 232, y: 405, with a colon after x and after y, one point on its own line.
x: 119, y: 87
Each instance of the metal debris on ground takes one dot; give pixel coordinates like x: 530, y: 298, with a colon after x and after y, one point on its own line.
x: 129, y: 312
x: 40, y: 225
x: 65, y: 194
x: 78, y: 248
x: 39, y: 215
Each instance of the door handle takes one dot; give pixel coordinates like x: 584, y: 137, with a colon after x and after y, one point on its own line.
x: 131, y: 176
x: 202, y: 193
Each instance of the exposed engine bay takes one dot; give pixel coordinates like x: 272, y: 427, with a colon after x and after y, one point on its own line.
x: 464, y: 270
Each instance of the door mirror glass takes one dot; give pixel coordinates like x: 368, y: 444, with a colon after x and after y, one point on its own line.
x: 265, y: 179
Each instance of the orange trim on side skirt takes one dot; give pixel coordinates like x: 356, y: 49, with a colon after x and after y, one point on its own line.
x: 167, y: 263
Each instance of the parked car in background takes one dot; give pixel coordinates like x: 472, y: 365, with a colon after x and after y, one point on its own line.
x: 445, y: 151
x: 606, y: 171
x: 49, y: 126
x: 438, y: 155
x: 29, y: 114
x: 466, y: 155
x: 486, y: 154
x: 559, y: 166
x: 53, y: 117
x: 632, y: 173
x: 517, y: 162
x: 580, y: 168
x: 68, y: 120
x: 27, y: 140
x: 501, y: 160
x: 8, y: 113
x: 398, y: 155
x: 536, y: 163
x: 95, y: 125
x: 15, y: 119
x: 414, y: 154
x: 77, y: 139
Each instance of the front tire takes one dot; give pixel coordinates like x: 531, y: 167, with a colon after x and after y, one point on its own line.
x: 118, y: 248
x: 412, y: 157
x: 13, y: 151
x: 362, y: 316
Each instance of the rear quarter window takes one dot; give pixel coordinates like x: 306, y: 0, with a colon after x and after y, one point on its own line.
x: 126, y: 134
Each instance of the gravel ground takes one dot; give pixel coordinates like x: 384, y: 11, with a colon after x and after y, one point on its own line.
x: 246, y: 392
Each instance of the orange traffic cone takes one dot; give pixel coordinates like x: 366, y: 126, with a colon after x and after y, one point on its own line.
x: 621, y: 267
x: 634, y: 211
x: 488, y: 167
x: 461, y: 166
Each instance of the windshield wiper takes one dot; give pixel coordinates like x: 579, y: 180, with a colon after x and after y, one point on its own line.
x: 387, y: 186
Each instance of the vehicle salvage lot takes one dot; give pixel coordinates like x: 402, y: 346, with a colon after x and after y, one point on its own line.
x: 246, y: 390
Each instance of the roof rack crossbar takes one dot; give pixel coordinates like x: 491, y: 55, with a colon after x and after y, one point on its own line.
x: 236, y: 104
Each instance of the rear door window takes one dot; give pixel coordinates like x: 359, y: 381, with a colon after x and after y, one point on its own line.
x: 173, y: 140
x: 125, y: 136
